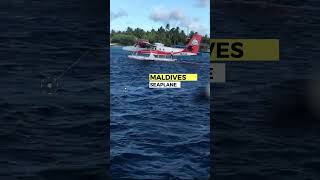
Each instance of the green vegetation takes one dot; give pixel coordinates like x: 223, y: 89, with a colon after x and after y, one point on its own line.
x: 168, y: 36
x: 125, y: 39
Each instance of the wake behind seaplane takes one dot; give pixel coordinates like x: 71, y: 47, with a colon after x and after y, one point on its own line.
x: 143, y: 50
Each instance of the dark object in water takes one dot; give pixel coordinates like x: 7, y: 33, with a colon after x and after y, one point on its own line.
x: 49, y: 85
x: 293, y: 105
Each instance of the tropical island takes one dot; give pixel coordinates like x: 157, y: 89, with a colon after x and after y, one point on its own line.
x: 168, y: 36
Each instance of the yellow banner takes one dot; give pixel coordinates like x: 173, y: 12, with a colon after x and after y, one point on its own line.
x: 244, y: 49
x: 173, y: 77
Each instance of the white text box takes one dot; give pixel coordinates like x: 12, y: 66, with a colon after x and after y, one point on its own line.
x: 162, y: 84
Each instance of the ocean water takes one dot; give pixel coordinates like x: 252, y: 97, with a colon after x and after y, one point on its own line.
x: 258, y: 133
x: 62, y: 135
x: 265, y: 125
x: 158, y: 133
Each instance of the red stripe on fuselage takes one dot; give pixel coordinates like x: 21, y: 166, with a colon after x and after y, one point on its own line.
x: 156, y: 52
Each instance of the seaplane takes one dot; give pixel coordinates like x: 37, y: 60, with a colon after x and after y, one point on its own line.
x: 143, y: 50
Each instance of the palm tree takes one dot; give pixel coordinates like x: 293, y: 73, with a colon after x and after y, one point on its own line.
x: 129, y: 30
x: 167, y: 27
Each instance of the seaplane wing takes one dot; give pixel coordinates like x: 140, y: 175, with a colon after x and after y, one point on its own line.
x: 141, y: 44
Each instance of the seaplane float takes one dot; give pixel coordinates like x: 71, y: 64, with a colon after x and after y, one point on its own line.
x: 143, y: 50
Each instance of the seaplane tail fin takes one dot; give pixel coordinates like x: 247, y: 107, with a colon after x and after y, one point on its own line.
x: 194, y: 44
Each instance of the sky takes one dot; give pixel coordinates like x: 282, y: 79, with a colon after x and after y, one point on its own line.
x: 147, y: 14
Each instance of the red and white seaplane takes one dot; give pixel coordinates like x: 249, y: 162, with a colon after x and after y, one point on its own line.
x: 143, y: 50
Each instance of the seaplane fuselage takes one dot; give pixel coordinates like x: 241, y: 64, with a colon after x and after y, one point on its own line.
x: 158, y: 50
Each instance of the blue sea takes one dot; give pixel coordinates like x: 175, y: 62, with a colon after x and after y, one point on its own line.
x: 264, y: 118
x: 262, y: 126
x: 60, y: 135
x: 158, y: 133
